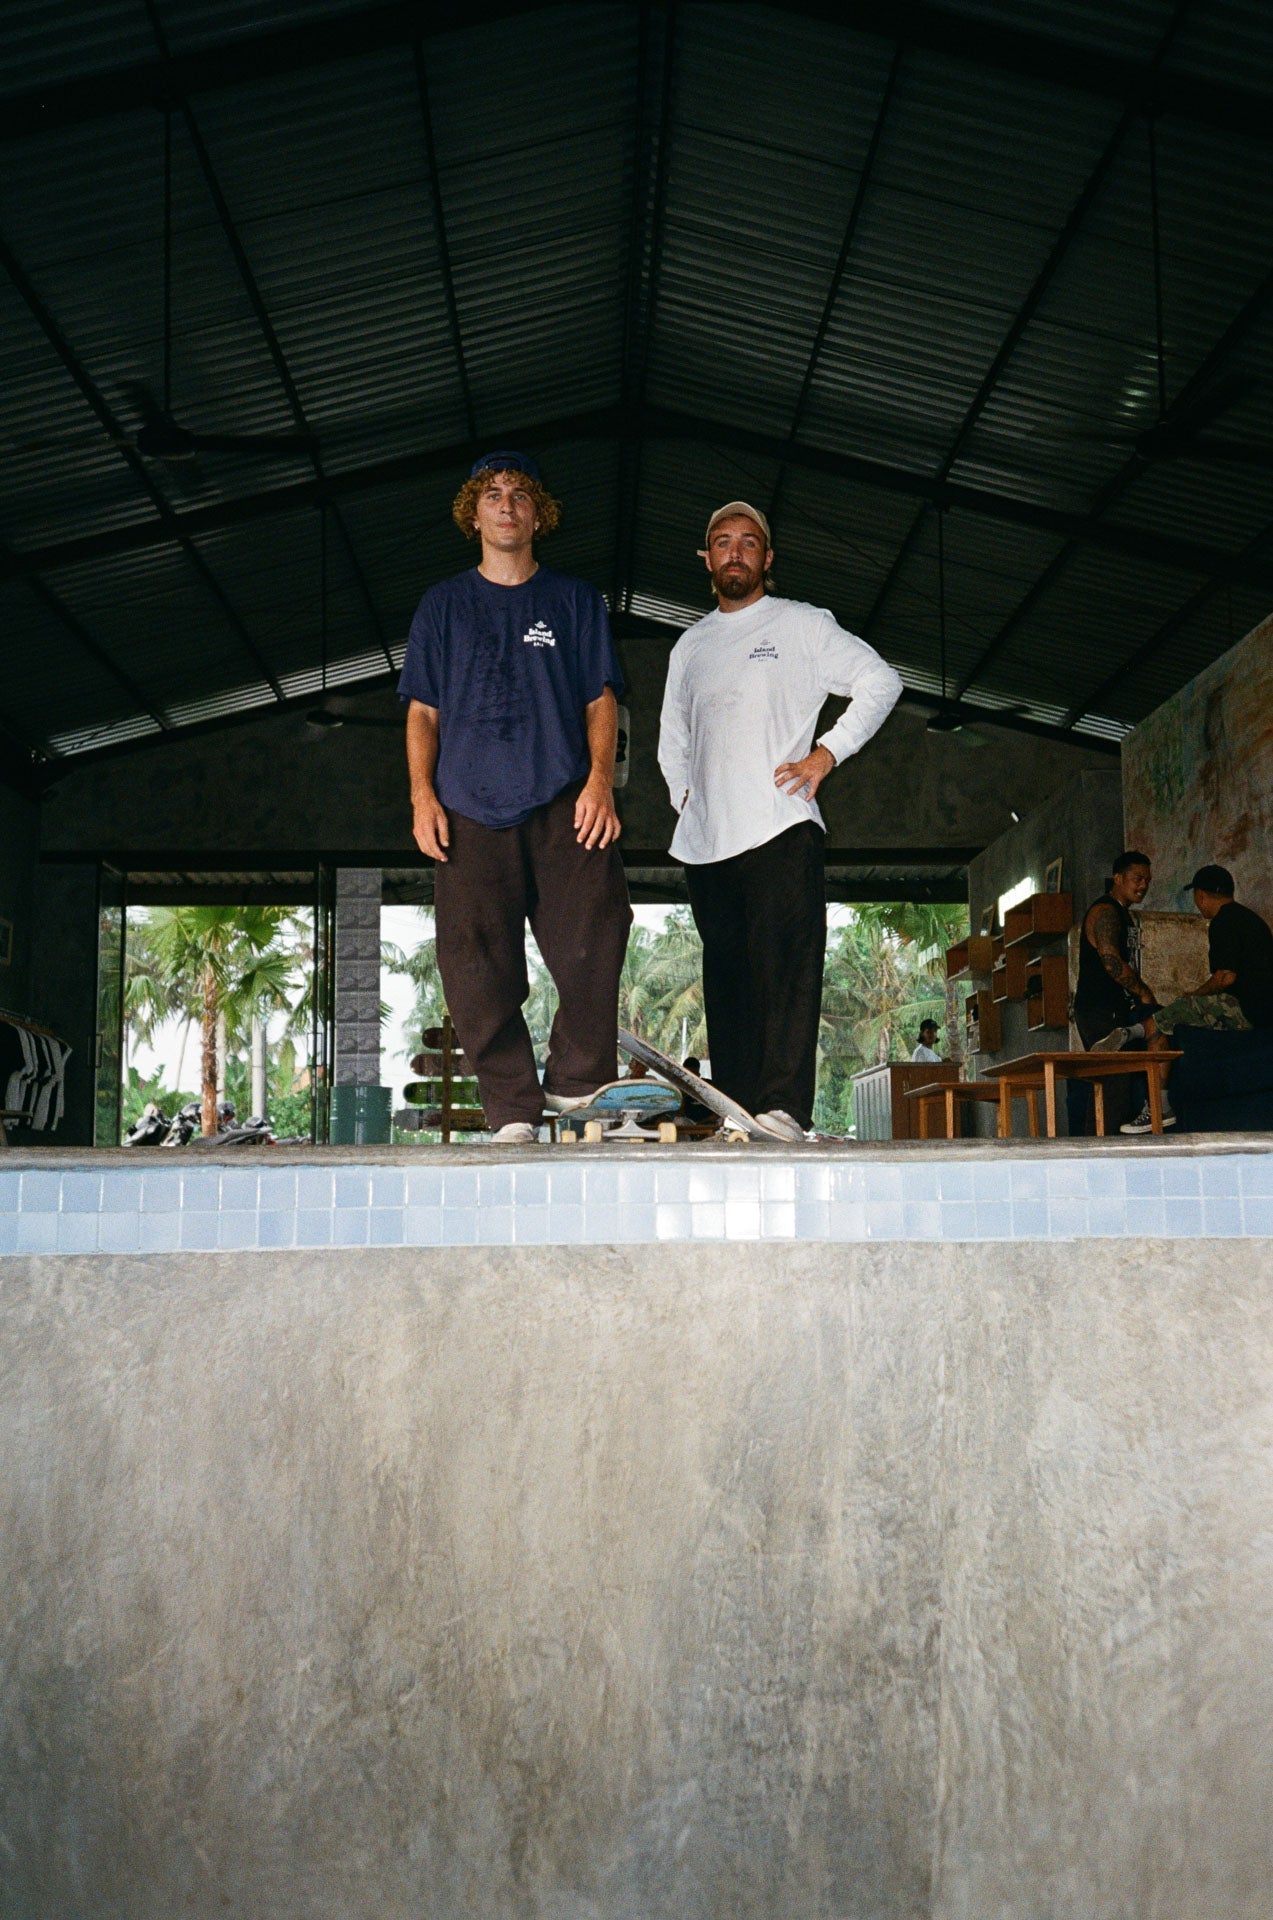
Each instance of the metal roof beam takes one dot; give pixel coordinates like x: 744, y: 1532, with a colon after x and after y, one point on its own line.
x: 1251, y: 564
x: 443, y: 247
x: 173, y: 530
x: 1148, y: 648
x: 645, y: 244
x: 658, y: 423
x: 1078, y: 213
x: 273, y: 344
x: 837, y: 276
x: 931, y: 28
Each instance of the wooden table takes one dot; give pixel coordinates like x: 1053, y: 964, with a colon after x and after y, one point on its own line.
x: 1034, y: 1070
x: 946, y: 1096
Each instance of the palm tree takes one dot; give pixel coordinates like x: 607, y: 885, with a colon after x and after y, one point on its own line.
x: 217, y: 956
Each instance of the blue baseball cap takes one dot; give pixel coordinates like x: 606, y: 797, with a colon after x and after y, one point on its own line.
x: 505, y: 462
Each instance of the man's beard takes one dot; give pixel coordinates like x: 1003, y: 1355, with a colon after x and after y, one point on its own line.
x: 736, y: 583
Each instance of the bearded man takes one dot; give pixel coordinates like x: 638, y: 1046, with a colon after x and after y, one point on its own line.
x: 744, y: 689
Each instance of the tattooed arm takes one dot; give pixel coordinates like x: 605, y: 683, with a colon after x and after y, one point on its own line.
x: 1103, y: 928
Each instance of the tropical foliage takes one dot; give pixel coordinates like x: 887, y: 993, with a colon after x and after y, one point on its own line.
x: 222, y: 971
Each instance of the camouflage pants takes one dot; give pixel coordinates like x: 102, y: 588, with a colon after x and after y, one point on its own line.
x: 1220, y: 1011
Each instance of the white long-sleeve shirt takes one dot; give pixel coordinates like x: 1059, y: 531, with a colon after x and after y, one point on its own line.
x: 744, y: 690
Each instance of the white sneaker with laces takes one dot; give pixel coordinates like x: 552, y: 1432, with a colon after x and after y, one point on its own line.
x: 517, y: 1133
x: 780, y: 1125
x: 1114, y: 1041
x: 1143, y: 1123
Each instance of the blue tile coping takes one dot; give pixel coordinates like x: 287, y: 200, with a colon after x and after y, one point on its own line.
x: 128, y: 1203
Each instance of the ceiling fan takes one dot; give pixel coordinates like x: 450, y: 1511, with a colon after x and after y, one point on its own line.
x: 325, y: 719
x: 160, y: 436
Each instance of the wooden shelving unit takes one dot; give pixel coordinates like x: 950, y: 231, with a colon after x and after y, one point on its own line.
x: 1047, y: 992
x: 982, y: 1030
x: 1008, y: 977
x: 976, y: 954
x: 1041, y: 915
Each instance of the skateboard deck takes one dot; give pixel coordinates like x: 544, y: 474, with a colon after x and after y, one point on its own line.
x: 621, y: 1105
x: 679, y: 1077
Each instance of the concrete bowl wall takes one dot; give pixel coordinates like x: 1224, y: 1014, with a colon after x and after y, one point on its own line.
x: 744, y: 1581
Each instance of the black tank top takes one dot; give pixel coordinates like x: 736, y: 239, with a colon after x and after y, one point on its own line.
x: 1095, y: 991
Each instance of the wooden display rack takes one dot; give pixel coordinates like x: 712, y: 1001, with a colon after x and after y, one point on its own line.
x: 976, y: 954
x: 1008, y: 978
x: 1041, y: 915
x: 1047, y: 992
x: 982, y: 1030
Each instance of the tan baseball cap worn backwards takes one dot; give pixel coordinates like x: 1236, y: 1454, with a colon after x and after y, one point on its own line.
x: 724, y: 513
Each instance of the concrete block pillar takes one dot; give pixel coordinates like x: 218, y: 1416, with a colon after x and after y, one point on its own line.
x: 360, y: 1105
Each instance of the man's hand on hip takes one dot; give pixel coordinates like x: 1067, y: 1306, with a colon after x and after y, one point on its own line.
x: 596, y: 822
x: 431, y: 828
x: 802, y: 778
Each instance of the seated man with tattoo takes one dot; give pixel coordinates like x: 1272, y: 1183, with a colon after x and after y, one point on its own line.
x: 1111, y: 1001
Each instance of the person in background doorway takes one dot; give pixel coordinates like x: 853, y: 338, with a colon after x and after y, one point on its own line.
x: 744, y: 689
x: 926, y: 1052
x: 511, y: 681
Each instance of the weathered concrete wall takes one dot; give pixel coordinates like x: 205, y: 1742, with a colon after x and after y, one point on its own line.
x: 743, y: 1581
x: 1107, y: 1586
x: 273, y: 784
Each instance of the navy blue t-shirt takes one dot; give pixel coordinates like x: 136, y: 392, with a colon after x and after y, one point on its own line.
x: 510, y: 670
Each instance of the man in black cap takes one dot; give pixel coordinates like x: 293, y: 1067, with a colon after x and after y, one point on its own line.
x: 1237, y: 994
x: 512, y: 682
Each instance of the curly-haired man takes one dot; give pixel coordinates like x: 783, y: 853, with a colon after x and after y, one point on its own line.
x: 511, y: 681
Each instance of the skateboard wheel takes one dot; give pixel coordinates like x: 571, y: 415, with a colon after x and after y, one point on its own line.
x: 568, y: 1136
x: 592, y: 1131
x: 667, y: 1132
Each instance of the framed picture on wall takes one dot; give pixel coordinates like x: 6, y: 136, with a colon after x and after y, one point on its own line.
x: 987, y: 920
x: 1052, y: 876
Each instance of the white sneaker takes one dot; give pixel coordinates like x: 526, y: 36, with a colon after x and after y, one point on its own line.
x: 1143, y: 1123
x: 518, y: 1133
x: 780, y: 1125
x: 1114, y: 1041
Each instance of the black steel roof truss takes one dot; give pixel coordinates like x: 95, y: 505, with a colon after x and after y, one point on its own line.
x: 837, y: 276
x: 989, y: 43
x: 652, y: 144
x: 273, y: 344
x: 1078, y: 213
x: 168, y: 520
x: 1251, y: 558
x: 663, y: 423
x: 443, y: 246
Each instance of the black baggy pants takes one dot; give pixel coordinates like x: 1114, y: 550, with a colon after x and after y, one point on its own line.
x: 762, y: 918
x: 495, y: 880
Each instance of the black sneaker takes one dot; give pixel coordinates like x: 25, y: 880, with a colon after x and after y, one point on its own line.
x: 1144, y: 1122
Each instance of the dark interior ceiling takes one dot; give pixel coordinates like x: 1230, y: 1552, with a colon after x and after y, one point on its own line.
x: 871, y: 266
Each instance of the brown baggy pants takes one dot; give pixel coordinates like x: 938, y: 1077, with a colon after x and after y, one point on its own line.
x: 494, y: 881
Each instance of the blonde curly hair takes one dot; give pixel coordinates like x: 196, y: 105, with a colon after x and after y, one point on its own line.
x: 464, y: 506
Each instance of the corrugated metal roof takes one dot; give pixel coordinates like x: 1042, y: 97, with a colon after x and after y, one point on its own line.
x: 818, y: 248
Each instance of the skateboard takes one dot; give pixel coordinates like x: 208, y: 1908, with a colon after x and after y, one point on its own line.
x: 615, y: 1111
x: 737, y: 1119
